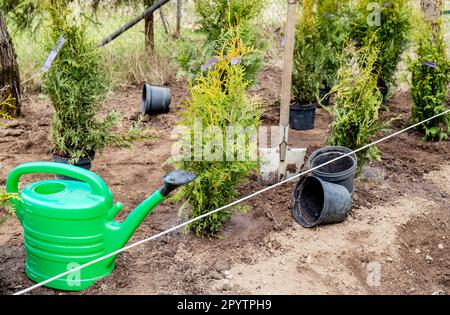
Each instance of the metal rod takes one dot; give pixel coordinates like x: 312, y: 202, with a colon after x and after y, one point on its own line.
x: 132, y: 23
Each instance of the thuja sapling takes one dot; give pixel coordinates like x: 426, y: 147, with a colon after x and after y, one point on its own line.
x: 358, y: 101
x: 218, y: 22
x: 77, y: 84
x: 430, y: 78
x: 219, y: 100
x: 306, y: 73
x: 333, y: 25
x: 384, y: 25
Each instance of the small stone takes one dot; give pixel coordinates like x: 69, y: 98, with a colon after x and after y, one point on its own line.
x: 221, y: 266
x: 441, y: 246
x: 428, y: 258
x: 417, y: 251
x: 389, y: 259
x: 227, y: 275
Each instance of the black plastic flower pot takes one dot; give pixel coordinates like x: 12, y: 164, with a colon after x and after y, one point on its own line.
x: 318, y: 202
x: 85, y: 163
x: 341, y: 172
x: 155, y: 100
x: 302, y: 117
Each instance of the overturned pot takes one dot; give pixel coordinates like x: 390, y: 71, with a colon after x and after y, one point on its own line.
x: 318, y: 202
x: 85, y: 163
x: 155, y: 100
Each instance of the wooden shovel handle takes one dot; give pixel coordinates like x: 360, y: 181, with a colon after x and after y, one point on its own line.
x: 287, y: 78
x: 288, y: 63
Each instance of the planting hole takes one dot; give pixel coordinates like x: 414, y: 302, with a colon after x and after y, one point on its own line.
x: 49, y: 189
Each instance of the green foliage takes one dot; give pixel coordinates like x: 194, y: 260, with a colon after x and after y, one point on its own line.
x: 191, y: 56
x: 218, y: 99
x: 22, y: 12
x: 306, y: 73
x: 430, y: 78
x: 391, y: 37
x: 333, y: 24
x: 219, y: 21
x: 217, y: 15
x: 358, y: 101
x: 6, y: 105
x: 77, y: 84
x: 28, y: 14
x: 5, y: 201
x: 322, y: 32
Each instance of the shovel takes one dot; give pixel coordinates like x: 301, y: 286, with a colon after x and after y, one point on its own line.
x: 283, y: 162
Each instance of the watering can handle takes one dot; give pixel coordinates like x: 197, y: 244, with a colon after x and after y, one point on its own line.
x: 97, y: 184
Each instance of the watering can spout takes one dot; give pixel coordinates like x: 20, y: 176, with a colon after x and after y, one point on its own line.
x: 122, y: 232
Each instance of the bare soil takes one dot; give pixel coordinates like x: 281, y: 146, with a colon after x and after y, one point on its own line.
x: 395, y: 241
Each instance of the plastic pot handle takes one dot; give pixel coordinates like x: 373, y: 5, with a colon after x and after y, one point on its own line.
x: 98, y: 186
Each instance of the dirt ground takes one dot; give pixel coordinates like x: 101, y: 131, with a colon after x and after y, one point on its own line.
x: 395, y: 241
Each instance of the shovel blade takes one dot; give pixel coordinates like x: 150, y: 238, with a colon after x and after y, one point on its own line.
x: 272, y: 170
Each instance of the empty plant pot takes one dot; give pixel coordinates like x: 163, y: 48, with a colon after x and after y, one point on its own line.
x: 85, y: 163
x: 319, y: 202
x: 302, y: 117
x: 341, y: 172
x: 155, y: 100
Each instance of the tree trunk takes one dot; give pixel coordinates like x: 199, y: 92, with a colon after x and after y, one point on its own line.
x: 9, y: 70
x: 149, y: 29
x: 179, y: 9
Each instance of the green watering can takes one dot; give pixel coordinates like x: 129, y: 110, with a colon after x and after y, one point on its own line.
x: 68, y: 223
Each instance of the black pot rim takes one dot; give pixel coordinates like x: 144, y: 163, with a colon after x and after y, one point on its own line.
x: 90, y: 158
x: 308, y: 107
x: 336, y: 149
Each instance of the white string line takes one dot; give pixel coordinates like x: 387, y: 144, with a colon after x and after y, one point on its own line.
x: 222, y: 208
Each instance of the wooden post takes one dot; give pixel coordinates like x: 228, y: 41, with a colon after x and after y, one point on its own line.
x: 149, y: 29
x: 9, y: 69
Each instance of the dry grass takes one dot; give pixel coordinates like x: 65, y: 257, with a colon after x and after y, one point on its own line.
x: 125, y: 58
